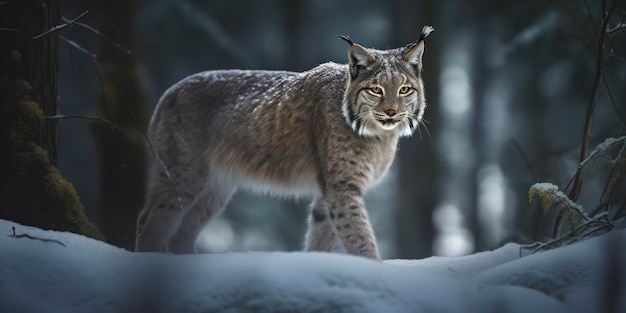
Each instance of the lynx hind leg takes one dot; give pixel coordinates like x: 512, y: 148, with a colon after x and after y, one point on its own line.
x: 208, y: 204
x: 162, y: 213
x: 320, y: 235
x: 159, y: 217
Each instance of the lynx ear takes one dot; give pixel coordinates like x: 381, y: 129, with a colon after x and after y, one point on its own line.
x: 412, y: 53
x: 358, y: 57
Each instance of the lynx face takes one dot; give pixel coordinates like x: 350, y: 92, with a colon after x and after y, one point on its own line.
x: 385, y: 92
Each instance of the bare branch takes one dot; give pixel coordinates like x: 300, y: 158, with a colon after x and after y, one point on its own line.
x: 619, y: 27
x: 108, y: 39
x: 78, y: 47
x: 575, y: 192
x: 529, y: 35
x: 115, y: 126
x: 603, y: 147
x: 94, y: 57
x: 608, y: 91
x: 100, y: 119
x: 609, y: 188
x: 616, y: 30
x: 593, y: 23
x: 598, y: 223
x: 60, y: 26
x: 6, y: 29
x: 524, y: 158
x: 216, y: 31
x: 158, y: 158
x: 34, y: 238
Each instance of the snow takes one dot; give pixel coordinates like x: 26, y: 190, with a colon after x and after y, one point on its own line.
x: 550, y: 190
x: 91, y: 276
x: 602, y: 148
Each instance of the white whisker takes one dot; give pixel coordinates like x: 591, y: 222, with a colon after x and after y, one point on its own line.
x: 426, y: 128
x: 419, y: 131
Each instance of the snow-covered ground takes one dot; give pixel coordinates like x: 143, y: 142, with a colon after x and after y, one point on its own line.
x: 84, y: 275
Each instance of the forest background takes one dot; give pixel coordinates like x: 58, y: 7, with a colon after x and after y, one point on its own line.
x: 509, y: 85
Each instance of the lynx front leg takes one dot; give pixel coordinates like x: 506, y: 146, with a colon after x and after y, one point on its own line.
x: 321, y: 233
x: 348, y: 215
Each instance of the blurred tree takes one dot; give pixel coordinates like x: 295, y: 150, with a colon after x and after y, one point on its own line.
x: 418, y: 164
x: 478, y: 87
x: 122, y: 155
x: 292, y: 11
x: 32, y: 190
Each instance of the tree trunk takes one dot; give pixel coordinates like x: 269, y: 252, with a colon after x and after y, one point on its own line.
x: 122, y: 154
x: 38, y: 64
x: 481, y: 76
x: 418, y: 164
x: 32, y: 190
x: 292, y: 11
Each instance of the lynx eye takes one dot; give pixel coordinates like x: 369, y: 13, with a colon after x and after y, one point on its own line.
x: 404, y: 90
x: 376, y: 90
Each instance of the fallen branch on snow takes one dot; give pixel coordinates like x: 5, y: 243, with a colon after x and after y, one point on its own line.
x: 34, y: 238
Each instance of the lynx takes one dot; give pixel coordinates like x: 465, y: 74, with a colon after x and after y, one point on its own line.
x: 330, y: 133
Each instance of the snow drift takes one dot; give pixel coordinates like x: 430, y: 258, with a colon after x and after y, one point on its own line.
x: 78, y: 274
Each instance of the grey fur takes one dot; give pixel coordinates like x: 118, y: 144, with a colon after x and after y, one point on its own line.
x: 324, y: 133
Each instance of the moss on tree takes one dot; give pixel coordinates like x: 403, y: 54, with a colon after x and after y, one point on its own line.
x: 33, y: 191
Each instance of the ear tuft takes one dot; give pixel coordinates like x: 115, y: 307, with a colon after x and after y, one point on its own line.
x: 347, y: 39
x: 412, y: 53
x: 426, y: 30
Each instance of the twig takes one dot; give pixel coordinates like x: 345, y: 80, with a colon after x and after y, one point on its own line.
x: 584, y: 230
x: 608, y: 90
x: 578, y: 181
x: 113, y: 125
x: 60, y: 26
x: 78, y: 47
x: 108, y: 39
x: 613, y: 173
x: 524, y: 158
x: 94, y: 57
x: 603, y: 147
x: 34, y: 238
x: 619, y: 27
x: 156, y: 156
x: 51, y: 30
x: 208, y: 25
x: 6, y: 29
x: 593, y: 23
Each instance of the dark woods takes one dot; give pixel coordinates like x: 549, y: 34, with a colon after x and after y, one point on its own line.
x: 518, y: 93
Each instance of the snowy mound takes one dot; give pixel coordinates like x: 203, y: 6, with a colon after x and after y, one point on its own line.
x: 77, y: 274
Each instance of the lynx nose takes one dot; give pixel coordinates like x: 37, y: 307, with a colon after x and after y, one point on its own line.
x: 390, y: 112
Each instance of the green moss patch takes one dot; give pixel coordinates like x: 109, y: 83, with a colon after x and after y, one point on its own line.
x: 33, y: 191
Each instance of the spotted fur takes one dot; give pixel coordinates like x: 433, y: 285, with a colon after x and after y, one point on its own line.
x: 329, y: 133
